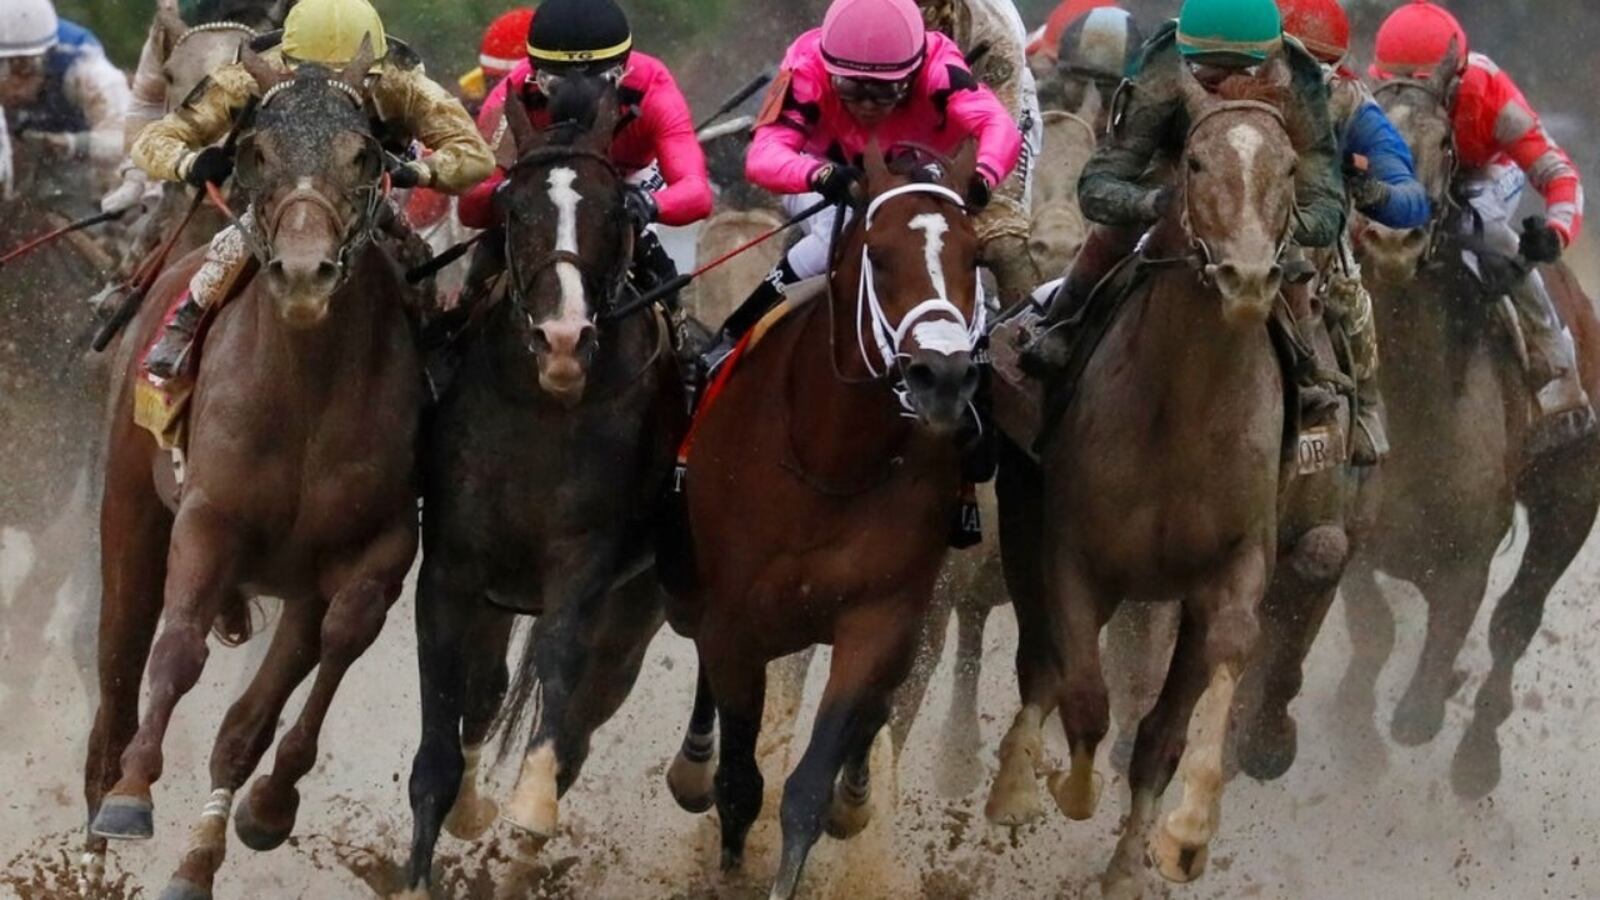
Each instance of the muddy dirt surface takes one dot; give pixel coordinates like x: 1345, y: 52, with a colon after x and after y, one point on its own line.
x: 1352, y: 819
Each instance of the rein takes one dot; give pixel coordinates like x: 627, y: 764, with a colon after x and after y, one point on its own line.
x: 213, y: 27
x: 1444, y: 206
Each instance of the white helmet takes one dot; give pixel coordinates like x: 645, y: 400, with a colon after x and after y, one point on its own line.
x: 27, y: 27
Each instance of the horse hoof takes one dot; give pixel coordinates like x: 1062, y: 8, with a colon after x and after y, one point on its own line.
x: 1475, y: 771
x: 184, y: 889
x: 848, y: 814
x: 1177, y: 863
x: 691, y: 783
x: 535, y: 806
x: 1269, y: 750
x: 732, y: 860
x: 1076, y: 804
x: 1014, y: 801
x: 471, y: 817
x: 261, y: 832
x: 1416, y: 724
x: 124, y: 818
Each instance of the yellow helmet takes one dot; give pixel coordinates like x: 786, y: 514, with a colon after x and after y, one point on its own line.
x: 329, y: 32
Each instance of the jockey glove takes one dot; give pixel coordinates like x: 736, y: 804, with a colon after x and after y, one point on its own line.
x: 1158, y: 203
x: 1540, y: 243
x: 408, y: 174
x: 1365, y: 191
x: 836, y: 183
x: 640, y: 206
x: 212, y: 165
x: 978, y: 194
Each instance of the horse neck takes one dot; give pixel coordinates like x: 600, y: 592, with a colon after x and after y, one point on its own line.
x: 336, y: 354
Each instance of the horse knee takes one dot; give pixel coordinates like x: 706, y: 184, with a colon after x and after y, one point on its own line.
x: 353, y: 622
x: 1320, y: 555
x: 179, y: 656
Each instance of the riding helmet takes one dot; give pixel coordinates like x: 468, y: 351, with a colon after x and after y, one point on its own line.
x: 329, y: 32
x: 579, y: 33
x: 1321, y: 26
x: 1102, y: 44
x: 881, y: 40
x: 1229, y: 32
x: 27, y: 28
x: 1415, y: 39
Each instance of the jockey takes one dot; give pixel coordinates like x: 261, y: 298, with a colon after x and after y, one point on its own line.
x: 504, y: 45
x: 1382, y: 182
x: 656, y: 145
x: 991, y: 36
x: 1215, y: 40
x: 1497, y: 133
x: 60, y: 93
x: 871, y: 70
x: 150, y: 84
x: 328, y: 33
x: 1097, y: 50
x: 1045, y: 42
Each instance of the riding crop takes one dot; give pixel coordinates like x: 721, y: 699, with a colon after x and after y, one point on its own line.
x: 740, y: 96
x: 81, y: 224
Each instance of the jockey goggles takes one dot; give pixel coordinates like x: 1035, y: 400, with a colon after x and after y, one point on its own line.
x: 23, y: 66
x: 548, y: 80
x: 871, y: 90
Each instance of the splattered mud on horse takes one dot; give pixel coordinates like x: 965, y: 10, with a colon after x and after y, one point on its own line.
x: 299, y: 482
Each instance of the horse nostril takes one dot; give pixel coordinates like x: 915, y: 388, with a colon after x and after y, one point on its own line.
x: 920, y: 377
x: 1228, y: 277
x: 588, y: 340
x: 540, y: 342
x: 1414, y: 239
x: 275, y: 274
x: 327, y: 272
x: 969, y: 381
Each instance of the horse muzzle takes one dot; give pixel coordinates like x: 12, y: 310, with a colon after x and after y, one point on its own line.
x: 1394, y: 256
x: 302, y: 289
x: 1248, y: 290
x: 564, y: 351
x: 940, y: 387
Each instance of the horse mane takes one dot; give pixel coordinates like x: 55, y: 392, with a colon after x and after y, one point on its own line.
x: 1280, y: 97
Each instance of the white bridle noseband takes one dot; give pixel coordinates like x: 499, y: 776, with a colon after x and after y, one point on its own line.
x: 886, y: 334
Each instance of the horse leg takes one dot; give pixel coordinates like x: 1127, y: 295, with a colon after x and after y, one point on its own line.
x: 587, y: 652
x: 1369, y: 620
x: 1014, y: 796
x: 362, y: 591
x: 1227, y: 630
x: 960, y: 767
x: 872, y: 651
x: 1454, y: 592
x: 1084, y: 702
x: 739, y: 685
x: 487, y: 680
x: 133, y: 562
x: 243, y: 739
x: 447, y: 608
x: 689, y: 776
x: 786, y: 688
x: 1561, y: 511
x: 1292, y: 614
x: 200, y: 565
x: 1138, y: 648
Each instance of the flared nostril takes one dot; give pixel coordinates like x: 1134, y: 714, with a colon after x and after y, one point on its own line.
x: 327, y: 272
x: 920, y: 377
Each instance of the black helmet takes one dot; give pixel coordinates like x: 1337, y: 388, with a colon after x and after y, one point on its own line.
x: 1102, y: 44
x: 581, y: 33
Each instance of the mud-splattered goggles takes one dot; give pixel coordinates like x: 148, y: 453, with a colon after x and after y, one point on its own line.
x: 870, y: 90
x: 549, y: 80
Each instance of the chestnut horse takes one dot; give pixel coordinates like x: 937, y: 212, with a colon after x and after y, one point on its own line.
x: 842, y: 417
x: 299, y: 483
x: 1161, y: 482
x: 1460, y: 411
x: 541, y: 469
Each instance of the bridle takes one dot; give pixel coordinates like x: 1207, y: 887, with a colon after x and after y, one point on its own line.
x: 1446, y: 205
x: 521, y: 280
x: 888, y: 336
x: 212, y: 28
x: 1201, y: 255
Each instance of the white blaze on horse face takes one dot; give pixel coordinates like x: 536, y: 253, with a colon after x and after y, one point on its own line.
x: 574, y: 306
x: 937, y: 335
x: 1247, y: 141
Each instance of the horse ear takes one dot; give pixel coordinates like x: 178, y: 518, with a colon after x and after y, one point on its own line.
x: 876, y: 167
x: 169, y: 28
x: 963, y: 167
x: 608, y: 113
x: 266, y: 75
x: 1448, y: 72
x: 1195, y: 96
x: 1094, y: 103
x: 355, y: 74
x: 523, y: 135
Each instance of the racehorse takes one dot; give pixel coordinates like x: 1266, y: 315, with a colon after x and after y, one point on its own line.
x: 1058, y: 226
x: 1161, y: 481
x: 1460, y: 414
x: 541, y: 468
x: 298, y: 480
x: 842, y: 417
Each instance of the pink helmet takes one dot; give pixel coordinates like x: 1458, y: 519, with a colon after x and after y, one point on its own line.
x: 883, y: 40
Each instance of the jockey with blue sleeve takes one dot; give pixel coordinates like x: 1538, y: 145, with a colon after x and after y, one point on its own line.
x: 1387, y: 190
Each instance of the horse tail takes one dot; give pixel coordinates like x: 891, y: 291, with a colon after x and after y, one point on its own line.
x: 524, y: 701
x: 235, y: 622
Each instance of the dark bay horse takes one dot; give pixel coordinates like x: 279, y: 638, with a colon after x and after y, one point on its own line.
x: 299, y: 482
x: 541, y: 469
x: 1162, y: 483
x: 1460, y: 415
x: 841, y: 418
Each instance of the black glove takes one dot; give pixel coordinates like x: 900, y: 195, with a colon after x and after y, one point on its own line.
x: 640, y: 205
x: 1540, y: 242
x: 978, y: 194
x: 836, y: 183
x: 212, y: 165
x: 406, y: 174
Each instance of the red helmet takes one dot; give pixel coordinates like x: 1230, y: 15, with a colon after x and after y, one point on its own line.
x: 1415, y: 39
x: 1321, y: 25
x: 505, y: 43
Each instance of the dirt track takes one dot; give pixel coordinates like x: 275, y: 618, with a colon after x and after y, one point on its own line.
x: 1337, y: 826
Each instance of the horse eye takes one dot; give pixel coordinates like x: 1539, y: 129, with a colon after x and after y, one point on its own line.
x: 1194, y: 164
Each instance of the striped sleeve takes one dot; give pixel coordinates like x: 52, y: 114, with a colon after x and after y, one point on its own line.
x: 1520, y: 135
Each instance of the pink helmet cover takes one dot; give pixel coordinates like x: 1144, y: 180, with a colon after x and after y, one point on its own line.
x: 879, y: 39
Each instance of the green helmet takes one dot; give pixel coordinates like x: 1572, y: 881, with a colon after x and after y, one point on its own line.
x: 1246, y: 31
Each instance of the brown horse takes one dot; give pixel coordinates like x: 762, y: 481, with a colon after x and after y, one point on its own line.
x: 1460, y: 414
x: 841, y: 418
x: 541, y: 468
x: 1162, y: 481
x: 299, y: 482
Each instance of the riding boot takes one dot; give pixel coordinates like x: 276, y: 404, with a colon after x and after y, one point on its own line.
x: 1371, y: 439
x: 225, y: 261
x: 1015, y: 273
x: 1371, y: 444
x: 1047, y: 354
x: 1563, y: 405
x: 761, y: 301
